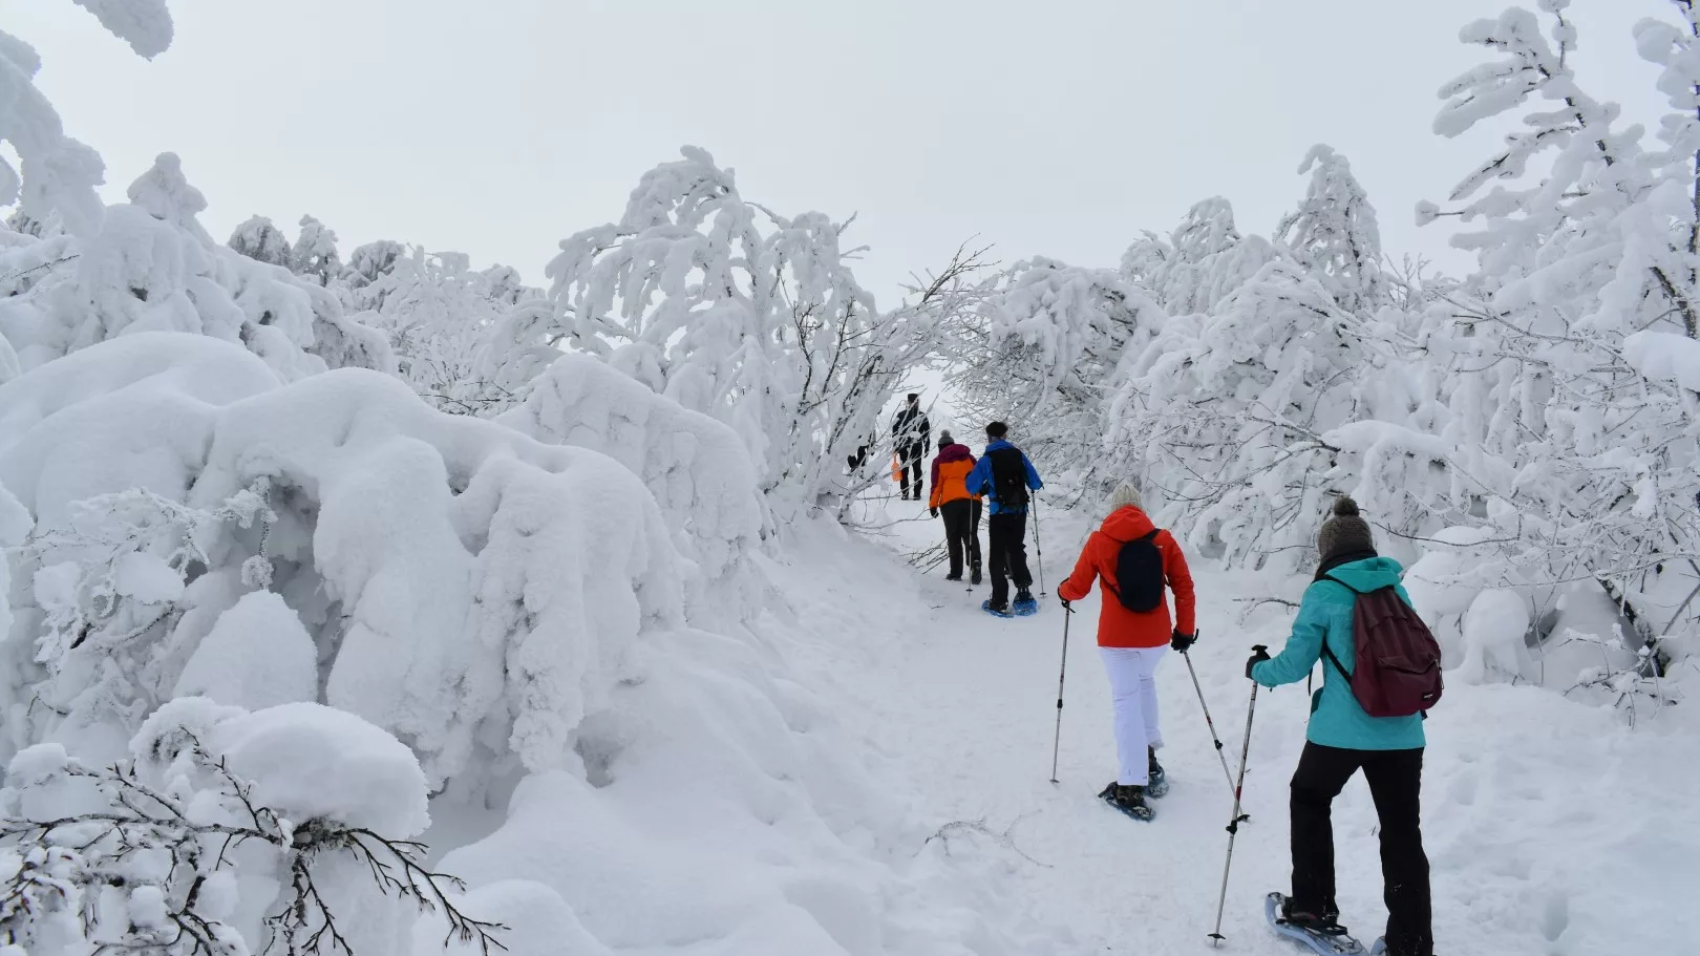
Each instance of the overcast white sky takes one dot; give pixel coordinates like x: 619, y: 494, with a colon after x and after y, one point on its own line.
x: 1059, y: 128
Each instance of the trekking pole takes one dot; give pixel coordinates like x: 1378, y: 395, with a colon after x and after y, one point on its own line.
x: 1226, y: 773
x: 1039, y: 547
x: 1234, y: 823
x: 1062, y: 674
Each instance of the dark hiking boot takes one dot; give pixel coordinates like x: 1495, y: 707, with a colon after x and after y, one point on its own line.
x: 953, y: 577
x: 1129, y: 800
x: 1156, y: 769
x: 974, y: 575
x: 1024, y: 596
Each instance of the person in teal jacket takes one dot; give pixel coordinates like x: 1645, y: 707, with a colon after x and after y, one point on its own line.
x: 1342, y: 739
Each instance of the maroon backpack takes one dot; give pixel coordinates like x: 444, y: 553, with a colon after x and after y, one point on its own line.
x: 1398, y: 658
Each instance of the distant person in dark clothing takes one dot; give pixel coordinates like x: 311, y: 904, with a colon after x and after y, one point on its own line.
x: 912, y: 435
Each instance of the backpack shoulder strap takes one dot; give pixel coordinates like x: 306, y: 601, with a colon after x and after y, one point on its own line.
x: 1326, y: 652
x: 1334, y: 660
x: 1153, y: 535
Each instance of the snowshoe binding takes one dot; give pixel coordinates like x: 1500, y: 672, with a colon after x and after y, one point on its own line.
x: 995, y: 610
x: 1024, y: 605
x: 1322, y: 934
x: 1129, y: 800
x: 1159, y: 783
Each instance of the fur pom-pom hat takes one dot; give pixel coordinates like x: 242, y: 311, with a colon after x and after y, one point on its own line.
x: 1345, y: 532
x: 1126, y: 494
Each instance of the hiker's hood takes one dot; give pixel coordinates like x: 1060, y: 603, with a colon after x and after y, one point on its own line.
x: 1127, y: 523
x: 954, y: 452
x: 1370, y: 574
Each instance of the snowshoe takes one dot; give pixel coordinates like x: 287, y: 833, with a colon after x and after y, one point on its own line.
x: 996, y: 610
x: 1024, y: 605
x: 1379, y: 947
x: 1128, y: 800
x: 1323, y: 935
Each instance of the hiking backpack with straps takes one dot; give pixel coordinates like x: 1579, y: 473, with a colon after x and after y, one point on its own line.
x: 1139, y: 575
x: 1398, y: 672
x: 1009, y: 478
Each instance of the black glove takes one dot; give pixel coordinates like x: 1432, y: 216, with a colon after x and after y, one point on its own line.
x: 1259, y: 655
x: 935, y: 511
x: 1181, y: 642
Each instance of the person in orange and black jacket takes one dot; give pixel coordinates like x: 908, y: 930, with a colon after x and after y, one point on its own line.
x: 1131, y: 643
x: 960, y: 509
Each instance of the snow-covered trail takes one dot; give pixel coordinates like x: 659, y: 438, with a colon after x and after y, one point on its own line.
x: 1539, y: 844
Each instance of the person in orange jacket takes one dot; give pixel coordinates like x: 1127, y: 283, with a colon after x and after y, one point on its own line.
x: 1134, y: 632
x: 961, y: 509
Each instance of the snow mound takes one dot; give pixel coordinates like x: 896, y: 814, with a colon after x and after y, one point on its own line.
x: 311, y: 762
x: 257, y: 655
x: 465, y: 588
x: 696, y: 467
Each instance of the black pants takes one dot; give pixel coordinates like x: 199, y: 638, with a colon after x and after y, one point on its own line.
x: 1395, y: 783
x: 962, y: 532
x: 912, y: 458
x: 1006, y: 535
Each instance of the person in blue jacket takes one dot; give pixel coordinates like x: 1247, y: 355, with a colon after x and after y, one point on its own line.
x: 1005, y: 476
x: 1342, y: 739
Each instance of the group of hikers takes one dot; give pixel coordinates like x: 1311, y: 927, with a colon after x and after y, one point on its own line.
x: 1368, y: 714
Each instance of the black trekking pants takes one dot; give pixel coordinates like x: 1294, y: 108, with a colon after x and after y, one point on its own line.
x: 961, y: 532
x: 912, y: 458
x: 1006, y: 536
x: 1395, y: 783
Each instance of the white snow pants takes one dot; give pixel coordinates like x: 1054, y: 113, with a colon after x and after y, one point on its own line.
x: 1133, y: 690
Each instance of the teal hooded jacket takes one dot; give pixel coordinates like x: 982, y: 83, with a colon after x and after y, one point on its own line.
x: 1325, y: 614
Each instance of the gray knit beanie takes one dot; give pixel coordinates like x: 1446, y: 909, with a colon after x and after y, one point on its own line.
x: 945, y: 439
x: 1345, y: 532
x: 1126, y: 494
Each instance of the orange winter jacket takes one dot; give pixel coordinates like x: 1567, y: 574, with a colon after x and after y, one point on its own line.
x: 1118, y: 626
x: 950, y: 474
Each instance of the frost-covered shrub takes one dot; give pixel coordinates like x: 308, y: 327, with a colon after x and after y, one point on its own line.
x: 464, y: 587
x: 151, y: 267
x: 222, y: 833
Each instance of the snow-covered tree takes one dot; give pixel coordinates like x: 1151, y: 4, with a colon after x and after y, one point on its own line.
x: 258, y: 239
x: 314, y: 253
x: 1204, y: 260
x: 441, y: 318
x: 1040, y: 351
x: 1333, y: 234
x: 151, y: 266
x: 1594, y: 466
x: 735, y: 311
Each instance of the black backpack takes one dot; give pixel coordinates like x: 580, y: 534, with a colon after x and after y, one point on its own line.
x: 1139, y: 575
x: 1009, y: 478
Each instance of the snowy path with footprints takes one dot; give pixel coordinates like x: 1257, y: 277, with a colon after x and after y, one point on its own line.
x: 1551, y: 827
